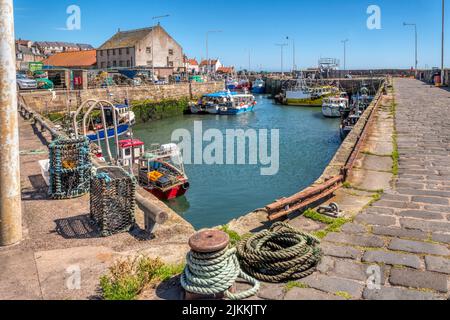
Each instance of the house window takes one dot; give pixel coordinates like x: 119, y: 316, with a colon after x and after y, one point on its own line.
x: 109, y: 64
x: 128, y: 50
x: 103, y: 66
x: 121, y: 63
x: 114, y: 63
x: 128, y: 63
x: 170, y: 64
x: 149, y: 63
x: 109, y: 52
x: 120, y: 52
x: 171, y: 52
x: 114, y: 52
x: 101, y: 53
x: 149, y: 50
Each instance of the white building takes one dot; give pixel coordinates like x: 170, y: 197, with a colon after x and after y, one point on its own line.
x: 192, y: 66
x: 210, y: 66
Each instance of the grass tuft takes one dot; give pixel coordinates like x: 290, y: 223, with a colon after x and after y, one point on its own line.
x: 128, y: 277
x: 343, y: 294
x: 294, y: 284
x: 334, y: 224
x: 234, y: 236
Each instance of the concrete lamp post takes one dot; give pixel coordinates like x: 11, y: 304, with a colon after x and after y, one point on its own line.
x: 10, y: 193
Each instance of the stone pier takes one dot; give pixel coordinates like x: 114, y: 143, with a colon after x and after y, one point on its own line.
x: 398, y: 247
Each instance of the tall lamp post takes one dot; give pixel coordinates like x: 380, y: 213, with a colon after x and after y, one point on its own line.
x: 153, y: 51
x: 294, y: 62
x: 443, y: 40
x: 345, y: 54
x: 207, y: 46
x: 282, y: 45
x: 415, y: 33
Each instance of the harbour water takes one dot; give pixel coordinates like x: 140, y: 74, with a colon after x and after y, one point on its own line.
x: 220, y: 193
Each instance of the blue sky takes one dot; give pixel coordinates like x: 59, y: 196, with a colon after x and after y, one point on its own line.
x: 318, y: 27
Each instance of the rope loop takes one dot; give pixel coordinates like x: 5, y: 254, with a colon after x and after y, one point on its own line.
x: 279, y: 254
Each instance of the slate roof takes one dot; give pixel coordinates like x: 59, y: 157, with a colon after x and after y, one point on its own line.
x: 126, y: 39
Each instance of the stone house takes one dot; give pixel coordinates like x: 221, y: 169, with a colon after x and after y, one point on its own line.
x: 26, y: 52
x: 148, y: 47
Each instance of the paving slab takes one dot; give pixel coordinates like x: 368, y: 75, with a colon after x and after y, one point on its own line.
x: 19, y: 278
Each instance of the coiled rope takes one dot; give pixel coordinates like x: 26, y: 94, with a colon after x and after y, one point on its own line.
x: 279, y: 254
x: 215, y: 273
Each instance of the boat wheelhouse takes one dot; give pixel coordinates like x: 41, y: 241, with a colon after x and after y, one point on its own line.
x: 130, y: 151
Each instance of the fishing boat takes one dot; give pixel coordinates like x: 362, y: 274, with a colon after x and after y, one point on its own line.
x: 332, y: 107
x: 125, y: 119
x: 258, y: 86
x: 348, y: 124
x: 238, y: 104
x: 161, y: 172
x: 231, y: 84
x: 224, y: 103
x: 303, y: 95
x: 99, y: 134
x: 244, y: 85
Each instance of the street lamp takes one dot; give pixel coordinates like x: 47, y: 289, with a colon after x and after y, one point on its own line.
x: 294, y: 64
x: 207, y: 46
x: 153, y: 55
x: 345, y: 54
x: 415, y: 32
x: 442, y: 50
x: 282, y: 45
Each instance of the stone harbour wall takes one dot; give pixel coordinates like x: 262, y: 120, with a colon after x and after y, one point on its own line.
x: 64, y: 100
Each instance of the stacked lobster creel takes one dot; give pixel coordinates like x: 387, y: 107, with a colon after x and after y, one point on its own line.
x: 69, y: 168
x: 113, y: 200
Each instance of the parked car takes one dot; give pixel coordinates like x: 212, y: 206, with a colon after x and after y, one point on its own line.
x: 25, y: 83
x: 44, y: 83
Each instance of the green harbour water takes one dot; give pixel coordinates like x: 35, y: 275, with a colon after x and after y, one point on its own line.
x: 220, y: 193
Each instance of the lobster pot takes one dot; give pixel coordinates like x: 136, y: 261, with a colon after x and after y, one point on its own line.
x: 70, y: 168
x: 113, y: 200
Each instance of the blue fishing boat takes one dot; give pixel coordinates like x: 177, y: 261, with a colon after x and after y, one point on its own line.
x: 100, y: 133
x: 259, y: 86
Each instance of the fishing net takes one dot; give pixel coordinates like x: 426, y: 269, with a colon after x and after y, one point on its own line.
x: 70, y: 168
x: 113, y: 200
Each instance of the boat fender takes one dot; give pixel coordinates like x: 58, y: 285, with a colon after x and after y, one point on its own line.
x: 186, y: 186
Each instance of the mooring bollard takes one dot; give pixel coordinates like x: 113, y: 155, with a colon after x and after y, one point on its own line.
x: 208, y: 242
x: 212, y: 269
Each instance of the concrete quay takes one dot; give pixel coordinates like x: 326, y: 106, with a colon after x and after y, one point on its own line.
x: 59, y: 238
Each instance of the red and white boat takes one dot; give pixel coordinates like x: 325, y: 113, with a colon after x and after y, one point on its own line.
x: 161, y: 172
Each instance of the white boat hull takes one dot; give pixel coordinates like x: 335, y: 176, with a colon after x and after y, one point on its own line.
x: 331, y: 112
